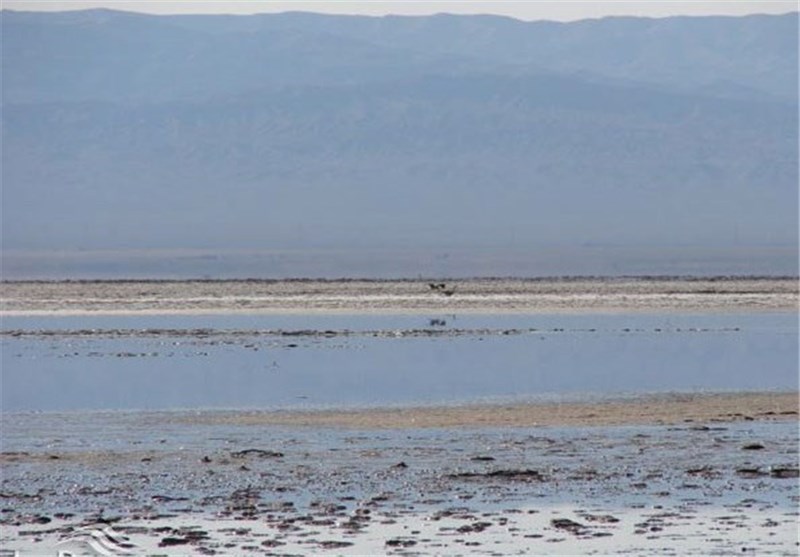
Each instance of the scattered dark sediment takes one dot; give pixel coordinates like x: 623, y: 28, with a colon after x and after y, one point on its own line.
x: 377, y: 491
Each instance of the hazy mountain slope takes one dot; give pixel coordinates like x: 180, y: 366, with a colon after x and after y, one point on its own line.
x: 105, y: 55
x: 757, y: 53
x: 117, y: 56
x: 297, y: 131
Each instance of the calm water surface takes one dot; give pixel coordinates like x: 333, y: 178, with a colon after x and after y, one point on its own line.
x: 268, y: 361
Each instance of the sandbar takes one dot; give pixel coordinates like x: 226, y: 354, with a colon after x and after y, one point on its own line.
x: 655, y: 409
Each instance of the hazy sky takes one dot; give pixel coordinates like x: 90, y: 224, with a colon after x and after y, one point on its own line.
x: 563, y: 10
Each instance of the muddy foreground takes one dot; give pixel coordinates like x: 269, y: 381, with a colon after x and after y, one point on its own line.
x: 682, y: 474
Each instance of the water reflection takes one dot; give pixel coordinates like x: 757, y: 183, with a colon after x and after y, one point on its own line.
x: 246, y: 361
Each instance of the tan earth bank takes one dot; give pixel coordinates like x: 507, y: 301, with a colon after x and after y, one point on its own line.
x: 640, y: 410
x: 401, y: 296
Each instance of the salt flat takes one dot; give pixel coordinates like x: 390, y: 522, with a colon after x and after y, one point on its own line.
x: 400, y: 296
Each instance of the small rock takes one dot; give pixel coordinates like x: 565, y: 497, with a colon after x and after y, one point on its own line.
x: 400, y: 542
x: 261, y: 453
x: 523, y: 475
x: 703, y: 471
x: 750, y: 473
x: 569, y: 525
x: 334, y: 544
x: 785, y: 472
x: 170, y: 541
x: 475, y: 527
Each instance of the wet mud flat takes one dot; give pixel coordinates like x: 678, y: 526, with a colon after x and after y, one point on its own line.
x: 209, y: 483
x: 403, y: 296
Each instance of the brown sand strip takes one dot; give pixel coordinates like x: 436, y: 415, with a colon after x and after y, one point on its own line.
x: 656, y: 409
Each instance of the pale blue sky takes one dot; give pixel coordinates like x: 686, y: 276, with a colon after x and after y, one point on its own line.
x: 562, y: 10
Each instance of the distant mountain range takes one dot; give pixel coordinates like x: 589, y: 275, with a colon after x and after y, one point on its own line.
x: 308, y: 131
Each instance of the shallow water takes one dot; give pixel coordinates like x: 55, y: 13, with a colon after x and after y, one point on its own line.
x: 288, y: 361
x: 721, y: 488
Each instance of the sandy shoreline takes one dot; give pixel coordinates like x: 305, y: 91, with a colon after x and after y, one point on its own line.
x: 567, y: 295
x: 661, y: 409
x: 725, y: 485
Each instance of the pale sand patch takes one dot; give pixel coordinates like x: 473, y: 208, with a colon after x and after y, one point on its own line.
x: 643, y: 410
x: 569, y: 295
